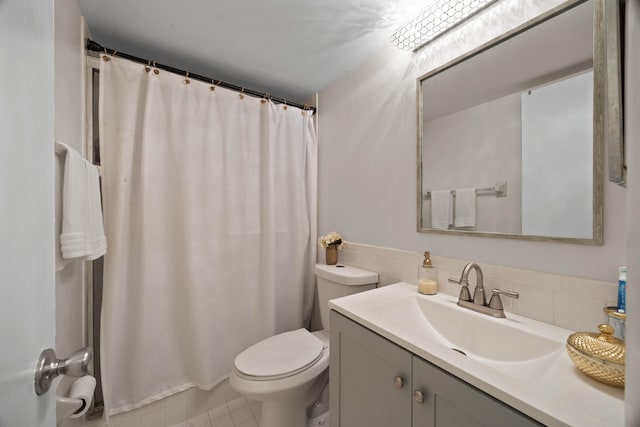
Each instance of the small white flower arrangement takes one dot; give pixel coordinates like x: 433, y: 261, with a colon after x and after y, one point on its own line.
x: 333, y: 238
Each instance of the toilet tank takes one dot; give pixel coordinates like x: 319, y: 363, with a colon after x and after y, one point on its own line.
x: 336, y: 281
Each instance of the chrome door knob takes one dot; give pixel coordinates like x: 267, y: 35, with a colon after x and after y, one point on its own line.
x: 49, y: 367
x: 398, y: 382
x: 418, y: 396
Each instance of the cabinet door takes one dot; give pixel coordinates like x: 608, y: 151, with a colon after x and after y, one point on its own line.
x: 450, y: 402
x: 370, y: 378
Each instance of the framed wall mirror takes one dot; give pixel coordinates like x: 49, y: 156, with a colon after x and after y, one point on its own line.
x: 511, y: 135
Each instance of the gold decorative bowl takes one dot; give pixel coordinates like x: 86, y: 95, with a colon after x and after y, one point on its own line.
x: 600, y: 356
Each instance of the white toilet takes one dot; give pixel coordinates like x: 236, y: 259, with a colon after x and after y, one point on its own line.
x: 288, y: 371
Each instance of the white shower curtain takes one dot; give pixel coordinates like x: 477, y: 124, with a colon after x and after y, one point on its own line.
x: 210, y: 215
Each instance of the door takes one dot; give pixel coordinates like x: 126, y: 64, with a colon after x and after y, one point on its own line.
x: 26, y: 208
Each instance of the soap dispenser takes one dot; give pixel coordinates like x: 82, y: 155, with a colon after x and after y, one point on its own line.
x: 427, y: 276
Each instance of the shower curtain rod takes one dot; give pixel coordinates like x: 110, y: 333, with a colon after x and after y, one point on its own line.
x: 97, y: 47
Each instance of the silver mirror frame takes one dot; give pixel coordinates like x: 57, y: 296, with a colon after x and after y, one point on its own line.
x: 607, y: 113
x: 614, y: 125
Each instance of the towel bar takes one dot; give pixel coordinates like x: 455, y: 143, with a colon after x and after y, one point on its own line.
x: 499, y: 190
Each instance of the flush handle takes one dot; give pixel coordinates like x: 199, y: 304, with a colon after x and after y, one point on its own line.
x: 398, y: 382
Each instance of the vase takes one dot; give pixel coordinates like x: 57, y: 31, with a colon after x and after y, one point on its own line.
x: 332, y: 255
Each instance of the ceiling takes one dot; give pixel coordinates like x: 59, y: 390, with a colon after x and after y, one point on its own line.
x: 289, y: 48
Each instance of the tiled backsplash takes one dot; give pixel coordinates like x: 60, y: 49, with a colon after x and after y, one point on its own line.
x: 569, y: 302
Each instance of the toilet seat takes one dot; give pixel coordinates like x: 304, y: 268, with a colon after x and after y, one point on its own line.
x: 280, y: 356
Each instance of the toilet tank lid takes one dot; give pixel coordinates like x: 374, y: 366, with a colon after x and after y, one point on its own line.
x: 346, y: 275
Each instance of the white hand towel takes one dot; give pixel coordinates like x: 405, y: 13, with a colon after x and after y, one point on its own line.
x: 465, y: 207
x: 82, y: 228
x: 441, y: 212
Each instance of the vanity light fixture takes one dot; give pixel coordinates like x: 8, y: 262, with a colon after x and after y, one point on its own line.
x: 436, y: 20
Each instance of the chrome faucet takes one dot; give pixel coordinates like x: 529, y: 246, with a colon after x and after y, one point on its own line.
x: 479, y: 302
x: 478, y: 292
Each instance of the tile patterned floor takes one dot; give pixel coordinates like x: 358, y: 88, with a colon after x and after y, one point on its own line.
x: 237, y: 413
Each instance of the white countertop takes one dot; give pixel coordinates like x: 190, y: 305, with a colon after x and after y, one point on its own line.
x: 561, y: 396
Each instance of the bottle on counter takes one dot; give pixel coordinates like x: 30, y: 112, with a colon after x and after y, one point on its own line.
x: 622, y: 289
x: 427, y: 276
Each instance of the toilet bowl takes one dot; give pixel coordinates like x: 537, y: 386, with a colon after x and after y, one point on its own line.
x: 287, y: 372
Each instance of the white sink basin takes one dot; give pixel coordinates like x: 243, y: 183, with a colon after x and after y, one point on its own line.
x: 502, y: 344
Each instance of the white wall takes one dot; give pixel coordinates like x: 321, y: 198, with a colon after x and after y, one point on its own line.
x: 557, y: 158
x: 367, y: 156
x: 483, y: 143
x: 69, y: 128
x: 69, y: 105
x: 632, y: 136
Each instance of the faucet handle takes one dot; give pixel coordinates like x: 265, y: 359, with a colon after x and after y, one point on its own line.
x: 465, y: 295
x: 457, y: 281
x: 496, y: 302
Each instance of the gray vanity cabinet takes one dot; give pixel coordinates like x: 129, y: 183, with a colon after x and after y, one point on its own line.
x: 370, y: 378
x: 450, y: 402
x: 376, y: 383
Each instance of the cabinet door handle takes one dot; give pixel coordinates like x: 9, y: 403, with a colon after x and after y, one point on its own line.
x: 418, y: 396
x: 398, y: 382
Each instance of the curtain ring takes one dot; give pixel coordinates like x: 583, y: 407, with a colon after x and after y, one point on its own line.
x: 147, y: 67
x: 265, y: 98
x: 106, y: 58
x: 241, y: 96
x: 213, y: 86
x: 155, y: 70
x: 186, y: 78
x: 304, y: 110
x: 285, y: 104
